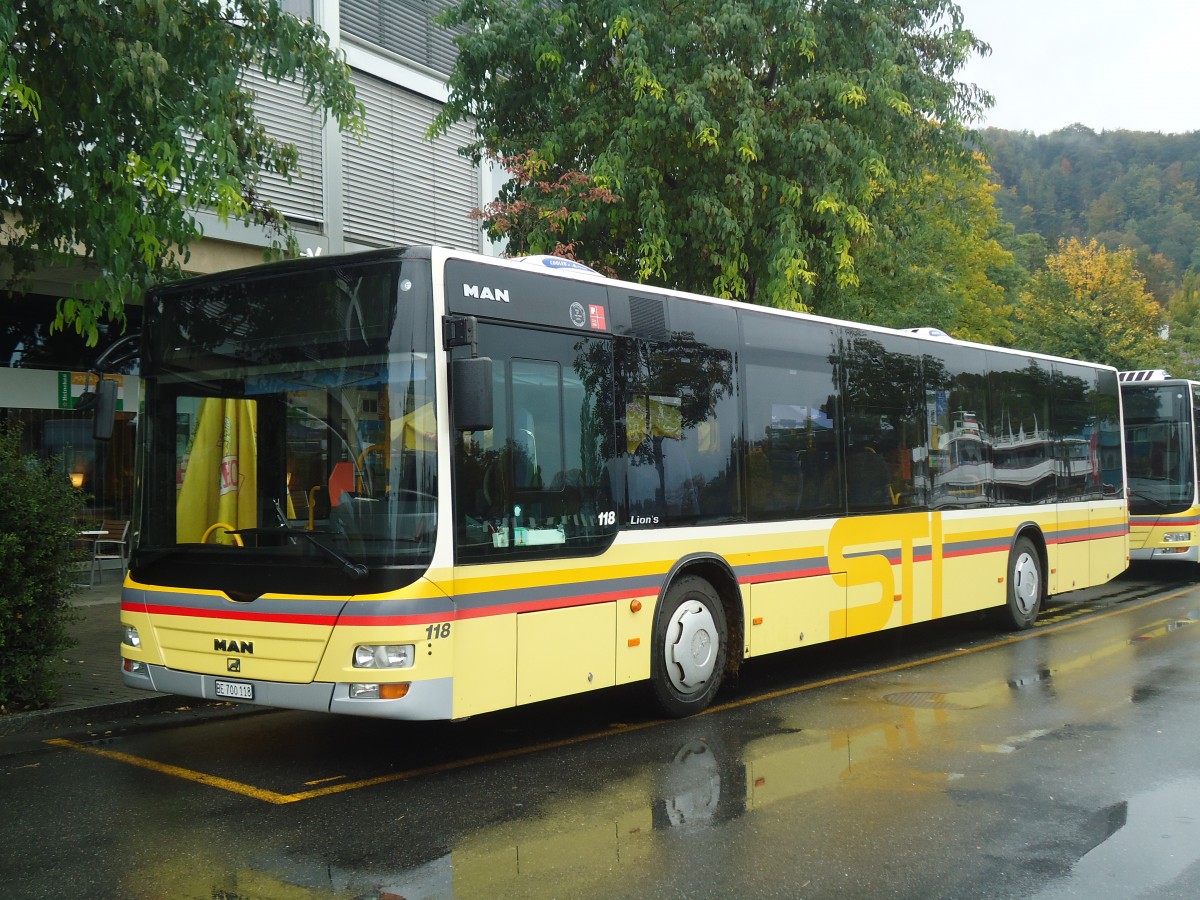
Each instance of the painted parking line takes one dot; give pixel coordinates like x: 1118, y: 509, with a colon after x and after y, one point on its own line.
x: 274, y: 797
x: 277, y: 798
x: 224, y: 784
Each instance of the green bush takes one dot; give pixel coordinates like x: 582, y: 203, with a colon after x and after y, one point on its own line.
x: 37, y: 532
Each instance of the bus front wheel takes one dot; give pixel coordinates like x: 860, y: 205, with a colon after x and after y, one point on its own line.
x: 1026, y: 586
x: 690, y: 644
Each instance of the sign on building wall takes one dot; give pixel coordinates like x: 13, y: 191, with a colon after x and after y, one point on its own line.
x: 71, y: 386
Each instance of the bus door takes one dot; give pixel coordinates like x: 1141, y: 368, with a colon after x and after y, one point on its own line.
x: 534, y: 489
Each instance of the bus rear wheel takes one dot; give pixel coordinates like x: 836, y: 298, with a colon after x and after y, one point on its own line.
x: 689, y: 648
x: 1026, y: 586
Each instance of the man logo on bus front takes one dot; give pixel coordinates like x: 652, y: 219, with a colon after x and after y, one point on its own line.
x: 233, y: 665
x: 500, y: 295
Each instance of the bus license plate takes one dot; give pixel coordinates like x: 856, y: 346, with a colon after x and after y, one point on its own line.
x: 235, y: 690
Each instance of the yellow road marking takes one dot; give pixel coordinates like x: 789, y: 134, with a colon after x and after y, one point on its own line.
x: 266, y: 796
x: 324, y: 780
x: 246, y: 790
x: 224, y: 784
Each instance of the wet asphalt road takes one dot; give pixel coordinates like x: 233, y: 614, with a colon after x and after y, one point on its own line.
x: 946, y: 761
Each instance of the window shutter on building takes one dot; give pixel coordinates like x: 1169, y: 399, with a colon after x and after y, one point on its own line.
x: 400, y: 188
x: 282, y: 111
x: 405, y: 27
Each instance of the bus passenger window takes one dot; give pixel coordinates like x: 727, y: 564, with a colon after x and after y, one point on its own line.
x: 680, y: 413
x: 885, y: 414
x: 536, y: 484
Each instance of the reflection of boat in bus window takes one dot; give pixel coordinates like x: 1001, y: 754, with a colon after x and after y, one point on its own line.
x: 962, y: 466
x: 1023, y: 466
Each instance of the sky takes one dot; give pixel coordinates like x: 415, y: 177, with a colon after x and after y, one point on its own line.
x: 1108, y: 64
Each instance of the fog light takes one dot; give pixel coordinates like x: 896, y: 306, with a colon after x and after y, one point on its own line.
x: 383, y: 656
x: 364, y: 692
x: 132, y: 638
x: 1177, y: 537
x: 133, y: 667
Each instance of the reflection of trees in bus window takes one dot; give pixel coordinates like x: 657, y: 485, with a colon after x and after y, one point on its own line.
x: 537, y: 482
x: 680, y: 416
x: 885, y: 420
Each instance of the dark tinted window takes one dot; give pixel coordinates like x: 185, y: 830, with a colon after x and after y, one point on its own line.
x: 885, y: 422
x: 1076, y: 433
x: 792, y: 439
x: 960, y: 451
x: 1106, y: 418
x: 1019, y: 423
x: 680, y: 430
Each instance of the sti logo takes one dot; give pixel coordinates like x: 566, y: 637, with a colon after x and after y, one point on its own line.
x: 485, y: 293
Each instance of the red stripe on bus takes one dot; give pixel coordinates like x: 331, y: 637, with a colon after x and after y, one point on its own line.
x: 497, y: 610
x: 237, y: 615
x: 784, y: 576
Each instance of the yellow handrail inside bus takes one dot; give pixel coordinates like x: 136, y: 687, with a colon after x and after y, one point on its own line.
x: 215, y: 526
x: 312, y: 510
x: 358, y: 465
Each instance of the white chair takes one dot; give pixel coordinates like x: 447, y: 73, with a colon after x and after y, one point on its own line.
x: 113, y: 544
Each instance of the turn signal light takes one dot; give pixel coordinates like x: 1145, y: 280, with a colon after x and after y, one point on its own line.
x: 378, y: 691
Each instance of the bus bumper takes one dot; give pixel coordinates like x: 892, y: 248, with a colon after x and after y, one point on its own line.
x: 425, y: 700
x: 1166, y: 554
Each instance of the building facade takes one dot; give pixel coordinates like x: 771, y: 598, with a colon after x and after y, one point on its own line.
x: 391, y: 187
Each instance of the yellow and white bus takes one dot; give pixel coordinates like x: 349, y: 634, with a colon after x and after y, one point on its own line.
x: 423, y: 484
x: 1160, y: 437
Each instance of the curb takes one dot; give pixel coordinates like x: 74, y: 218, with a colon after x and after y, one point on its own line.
x: 39, y: 721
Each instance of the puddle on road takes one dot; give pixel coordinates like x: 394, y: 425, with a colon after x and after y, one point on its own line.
x: 577, y: 839
x: 1158, y: 629
x: 1158, y: 840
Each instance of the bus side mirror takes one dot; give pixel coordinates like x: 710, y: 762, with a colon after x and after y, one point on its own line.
x: 471, y: 393
x: 104, y: 409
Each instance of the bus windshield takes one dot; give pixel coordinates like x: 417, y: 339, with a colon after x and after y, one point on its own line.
x: 1158, y: 446
x: 292, y: 434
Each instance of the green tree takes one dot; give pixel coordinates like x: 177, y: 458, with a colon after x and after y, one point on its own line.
x: 1184, y: 315
x: 1091, y: 304
x: 752, y: 143
x: 938, y: 261
x: 37, y: 509
x: 119, y: 119
x: 1124, y: 188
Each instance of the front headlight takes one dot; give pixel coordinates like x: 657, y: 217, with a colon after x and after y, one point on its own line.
x: 384, y: 656
x: 132, y: 638
x: 1177, y: 537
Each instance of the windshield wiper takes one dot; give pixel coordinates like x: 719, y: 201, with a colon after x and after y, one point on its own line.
x: 1159, y: 503
x: 350, y: 567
